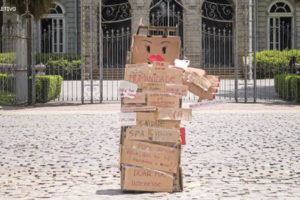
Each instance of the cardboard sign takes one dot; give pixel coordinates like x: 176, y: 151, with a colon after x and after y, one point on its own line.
x: 177, y: 89
x: 127, y: 119
x: 137, y: 74
x: 133, y: 108
x: 154, y: 87
x: 143, y: 47
x: 197, y: 71
x: 137, y: 133
x: 137, y: 65
x: 164, y: 135
x: 163, y: 100
x: 151, y: 156
x: 200, y: 92
x: 160, y: 66
x: 141, y: 179
x: 127, y: 89
x: 152, y: 134
x: 213, y: 78
x: 140, y: 98
x: 200, y: 81
x: 174, y: 114
x: 150, y: 119
x: 141, y: 75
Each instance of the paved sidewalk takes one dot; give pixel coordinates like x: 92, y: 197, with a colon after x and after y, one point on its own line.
x: 233, y: 151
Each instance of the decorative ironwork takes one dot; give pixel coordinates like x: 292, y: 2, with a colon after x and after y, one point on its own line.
x: 221, y: 12
x: 116, y: 12
x: 167, y: 13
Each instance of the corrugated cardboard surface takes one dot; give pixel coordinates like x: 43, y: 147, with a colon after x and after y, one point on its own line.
x: 150, y: 119
x: 149, y: 134
x: 151, y: 156
x: 163, y: 100
x: 140, y: 98
x: 141, y: 179
x: 174, y: 114
x: 143, y: 74
x: 143, y: 47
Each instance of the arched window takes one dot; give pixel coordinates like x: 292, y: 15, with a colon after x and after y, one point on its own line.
x: 280, y: 26
x: 52, y: 27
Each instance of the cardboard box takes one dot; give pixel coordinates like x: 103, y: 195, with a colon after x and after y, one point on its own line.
x: 150, y: 119
x: 149, y: 87
x: 200, y: 92
x: 134, y: 108
x: 174, y: 114
x: 143, y: 47
x: 151, y: 156
x: 140, y: 98
x: 141, y: 179
x: 177, y: 89
x: 145, y: 74
x: 163, y: 100
x: 152, y: 134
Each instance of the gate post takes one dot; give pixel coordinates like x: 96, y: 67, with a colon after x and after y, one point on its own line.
x: 236, y: 53
x: 21, y: 66
x: 100, y: 36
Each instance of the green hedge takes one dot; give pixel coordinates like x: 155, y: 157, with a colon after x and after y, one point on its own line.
x: 7, y: 58
x: 271, y: 63
x: 288, y: 87
x: 7, y: 98
x: 48, y: 87
x: 6, y: 83
x: 66, y: 65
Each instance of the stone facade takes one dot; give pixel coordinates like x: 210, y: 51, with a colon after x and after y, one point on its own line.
x: 263, y: 25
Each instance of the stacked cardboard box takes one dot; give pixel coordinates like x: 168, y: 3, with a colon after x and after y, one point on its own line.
x: 150, y: 153
x: 151, y: 137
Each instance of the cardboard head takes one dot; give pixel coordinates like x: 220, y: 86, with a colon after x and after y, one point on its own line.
x: 166, y: 47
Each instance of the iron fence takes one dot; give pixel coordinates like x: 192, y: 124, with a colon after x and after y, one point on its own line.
x: 116, y: 45
x: 65, y: 63
x: 8, y: 44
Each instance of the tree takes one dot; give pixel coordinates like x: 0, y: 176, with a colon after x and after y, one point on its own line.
x: 36, y: 7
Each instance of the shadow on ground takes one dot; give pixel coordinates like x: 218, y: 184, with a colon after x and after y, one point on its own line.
x: 117, y: 192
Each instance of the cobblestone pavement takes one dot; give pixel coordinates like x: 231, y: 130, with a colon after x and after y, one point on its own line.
x: 229, y: 155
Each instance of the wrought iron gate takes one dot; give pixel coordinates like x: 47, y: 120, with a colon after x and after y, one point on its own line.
x: 218, y: 43
x: 167, y: 13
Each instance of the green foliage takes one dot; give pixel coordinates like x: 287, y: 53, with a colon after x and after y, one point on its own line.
x: 288, y: 86
x: 44, y: 57
x: 65, y: 65
x: 6, y: 83
x: 295, y: 88
x: 271, y: 63
x: 7, y: 58
x: 7, y: 98
x: 48, y: 87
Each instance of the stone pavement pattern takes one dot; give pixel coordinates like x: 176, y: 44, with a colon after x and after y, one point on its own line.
x: 75, y: 156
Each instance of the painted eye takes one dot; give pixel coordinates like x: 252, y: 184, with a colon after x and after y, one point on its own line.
x: 148, y: 49
x: 164, y: 50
